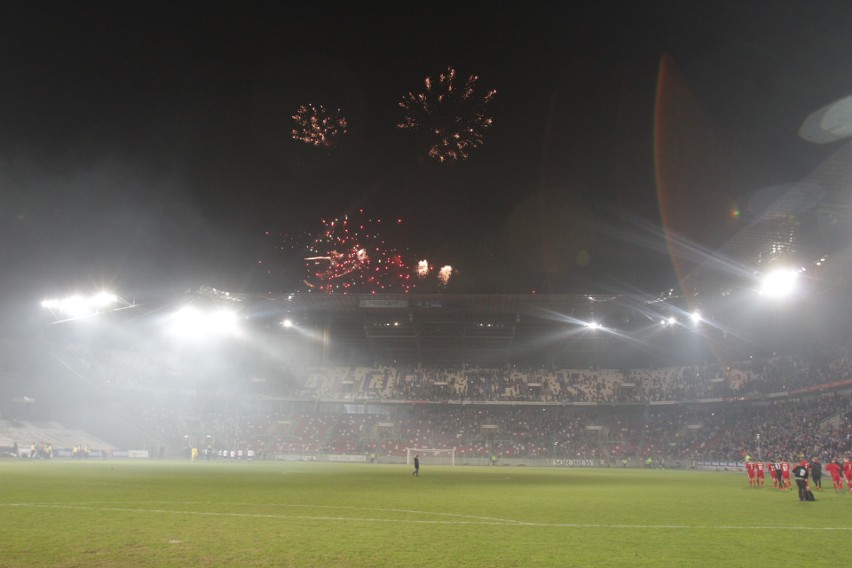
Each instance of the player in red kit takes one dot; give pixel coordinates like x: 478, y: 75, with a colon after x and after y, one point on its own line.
x: 847, y: 472
x: 785, y: 475
x: 750, y: 471
x: 772, y: 475
x: 761, y: 477
x: 833, y: 468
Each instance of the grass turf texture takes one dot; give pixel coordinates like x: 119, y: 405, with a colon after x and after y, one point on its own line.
x: 123, y: 513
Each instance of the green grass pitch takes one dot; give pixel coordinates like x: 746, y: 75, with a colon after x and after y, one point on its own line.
x: 124, y: 513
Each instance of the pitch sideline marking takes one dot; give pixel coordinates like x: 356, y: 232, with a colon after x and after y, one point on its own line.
x: 479, y: 521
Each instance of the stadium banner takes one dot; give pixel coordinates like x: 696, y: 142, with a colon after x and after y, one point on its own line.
x: 720, y: 465
x: 437, y: 304
x: 376, y: 303
x: 574, y: 463
x: 66, y: 453
x: 294, y: 457
x: 346, y: 458
x: 137, y: 454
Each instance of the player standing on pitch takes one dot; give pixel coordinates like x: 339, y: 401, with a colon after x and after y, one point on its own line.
x: 761, y: 477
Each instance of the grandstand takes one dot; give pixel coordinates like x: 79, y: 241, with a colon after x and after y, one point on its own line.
x: 320, y: 390
x: 685, y: 375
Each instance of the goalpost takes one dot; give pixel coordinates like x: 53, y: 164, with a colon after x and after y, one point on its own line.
x: 438, y: 456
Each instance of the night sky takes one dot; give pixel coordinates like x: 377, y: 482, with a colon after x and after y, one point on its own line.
x: 147, y: 146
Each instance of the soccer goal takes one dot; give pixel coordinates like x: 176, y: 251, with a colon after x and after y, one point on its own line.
x: 437, y: 456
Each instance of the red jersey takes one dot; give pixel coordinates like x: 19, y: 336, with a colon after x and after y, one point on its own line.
x: 834, y: 470
x: 750, y: 469
x: 759, y: 467
x: 772, y: 469
x: 785, y: 470
x: 847, y: 469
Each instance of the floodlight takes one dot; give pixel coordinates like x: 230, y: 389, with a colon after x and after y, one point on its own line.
x: 695, y: 316
x: 104, y: 299
x: 78, y: 306
x: 190, y: 322
x: 287, y: 323
x: 779, y: 283
x: 222, y: 321
x: 74, y: 306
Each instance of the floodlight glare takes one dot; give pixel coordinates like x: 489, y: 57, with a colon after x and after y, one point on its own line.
x: 287, y: 323
x: 222, y: 321
x: 188, y: 322
x: 78, y: 306
x: 695, y: 317
x: 75, y: 306
x: 779, y: 283
x: 104, y: 299
x: 192, y: 323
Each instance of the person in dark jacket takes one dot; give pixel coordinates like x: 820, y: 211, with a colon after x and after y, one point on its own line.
x: 416, y: 472
x: 816, y: 473
x: 800, y: 474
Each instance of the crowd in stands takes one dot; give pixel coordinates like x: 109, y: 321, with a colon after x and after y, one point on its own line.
x: 777, y: 374
x: 820, y: 426
x: 147, y: 369
x: 799, y: 403
x: 817, y: 425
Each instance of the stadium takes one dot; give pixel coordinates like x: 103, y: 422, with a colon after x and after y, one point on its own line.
x: 636, y: 303
x: 211, y: 414
x: 684, y: 377
x: 636, y: 391
x: 371, y: 367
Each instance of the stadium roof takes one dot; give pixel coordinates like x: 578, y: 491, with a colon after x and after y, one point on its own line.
x: 486, y: 330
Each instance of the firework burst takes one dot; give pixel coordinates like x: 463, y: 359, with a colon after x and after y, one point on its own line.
x: 318, y: 127
x: 454, y: 118
x: 422, y: 268
x: 354, y: 254
x: 351, y: 255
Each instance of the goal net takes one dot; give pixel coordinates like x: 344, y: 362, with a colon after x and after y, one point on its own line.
x: 433, y: 456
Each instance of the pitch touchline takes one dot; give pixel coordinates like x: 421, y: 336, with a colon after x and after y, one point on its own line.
x: 479, y: 521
